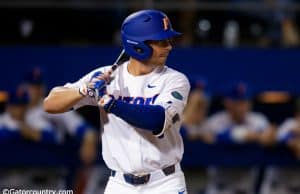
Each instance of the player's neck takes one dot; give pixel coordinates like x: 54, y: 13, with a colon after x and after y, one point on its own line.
x: 137, y: 68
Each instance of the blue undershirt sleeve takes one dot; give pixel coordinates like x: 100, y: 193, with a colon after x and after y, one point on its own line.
x: 148, y: 117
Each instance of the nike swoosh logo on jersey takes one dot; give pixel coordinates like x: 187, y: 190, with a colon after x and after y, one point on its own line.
x: 150, y: 86
x: 181, y: 192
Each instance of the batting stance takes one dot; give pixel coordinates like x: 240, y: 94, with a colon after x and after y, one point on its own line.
x: 143, y: 101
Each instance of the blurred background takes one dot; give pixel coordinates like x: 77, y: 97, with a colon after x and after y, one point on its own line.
x: 241, y: 126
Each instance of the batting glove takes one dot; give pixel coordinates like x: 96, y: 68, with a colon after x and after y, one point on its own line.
x: 96, y: 87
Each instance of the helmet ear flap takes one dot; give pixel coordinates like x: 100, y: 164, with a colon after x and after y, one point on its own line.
x: 138, y: 50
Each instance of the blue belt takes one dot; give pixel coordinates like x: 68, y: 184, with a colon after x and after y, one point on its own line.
x: 140, y: 180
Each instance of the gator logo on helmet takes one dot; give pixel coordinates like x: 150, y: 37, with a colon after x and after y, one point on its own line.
x: 166, y: 23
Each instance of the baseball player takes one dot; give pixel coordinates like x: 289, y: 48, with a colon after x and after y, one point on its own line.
x: 15, y: 119
x: 285, y: 179
x: 67, y: 123
x: 194, y: 125
x: 13, y: 116
x: 237, y: 124
x: 14, y: 127
x: 142, y: 105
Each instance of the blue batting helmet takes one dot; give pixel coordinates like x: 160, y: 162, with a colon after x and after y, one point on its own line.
x: 19, y: 97
x: 145, y: 25
x: 238, y: 90
x: 34, y: 77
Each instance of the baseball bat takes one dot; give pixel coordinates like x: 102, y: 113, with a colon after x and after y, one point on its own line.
x: 120, y: 60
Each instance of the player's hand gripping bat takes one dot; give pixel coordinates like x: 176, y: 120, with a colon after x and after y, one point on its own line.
x: 98, y: 82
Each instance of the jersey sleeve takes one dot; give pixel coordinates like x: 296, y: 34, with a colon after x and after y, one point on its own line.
x: 8, y: 130
x: 284, y: 133
x: 261, y: 122
x: 39, y: 121
x: 75, y: 124
x: 173, y: 99
x: 217, y: 123
x: 84, y: 80
x: 71, y: 123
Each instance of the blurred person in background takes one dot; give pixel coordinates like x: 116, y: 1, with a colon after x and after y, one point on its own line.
x: 69, y: 124
x: 195, y: 113
x: 285, y: 180
x: 15, y: 119
x: 14, y: 126
x: 194, y: 128
x: 237, y: 124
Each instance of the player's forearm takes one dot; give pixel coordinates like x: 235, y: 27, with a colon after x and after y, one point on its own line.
x: 61, y: 99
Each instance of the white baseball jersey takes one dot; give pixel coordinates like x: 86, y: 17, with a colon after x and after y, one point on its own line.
x: 35, y: 116
x: 286, y: 127
x: 230, y: 180
x: 129, y: 149
x: 68, y: 122
x: 8, y: 123
x: 283, y: 179
x: 221, y: 121
x: 196, y: 129
x: 36, y: 122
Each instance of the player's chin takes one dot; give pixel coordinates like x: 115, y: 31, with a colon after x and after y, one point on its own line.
x: 162, y: 61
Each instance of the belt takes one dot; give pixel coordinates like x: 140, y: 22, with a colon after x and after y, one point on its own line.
x: 143, y: 179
